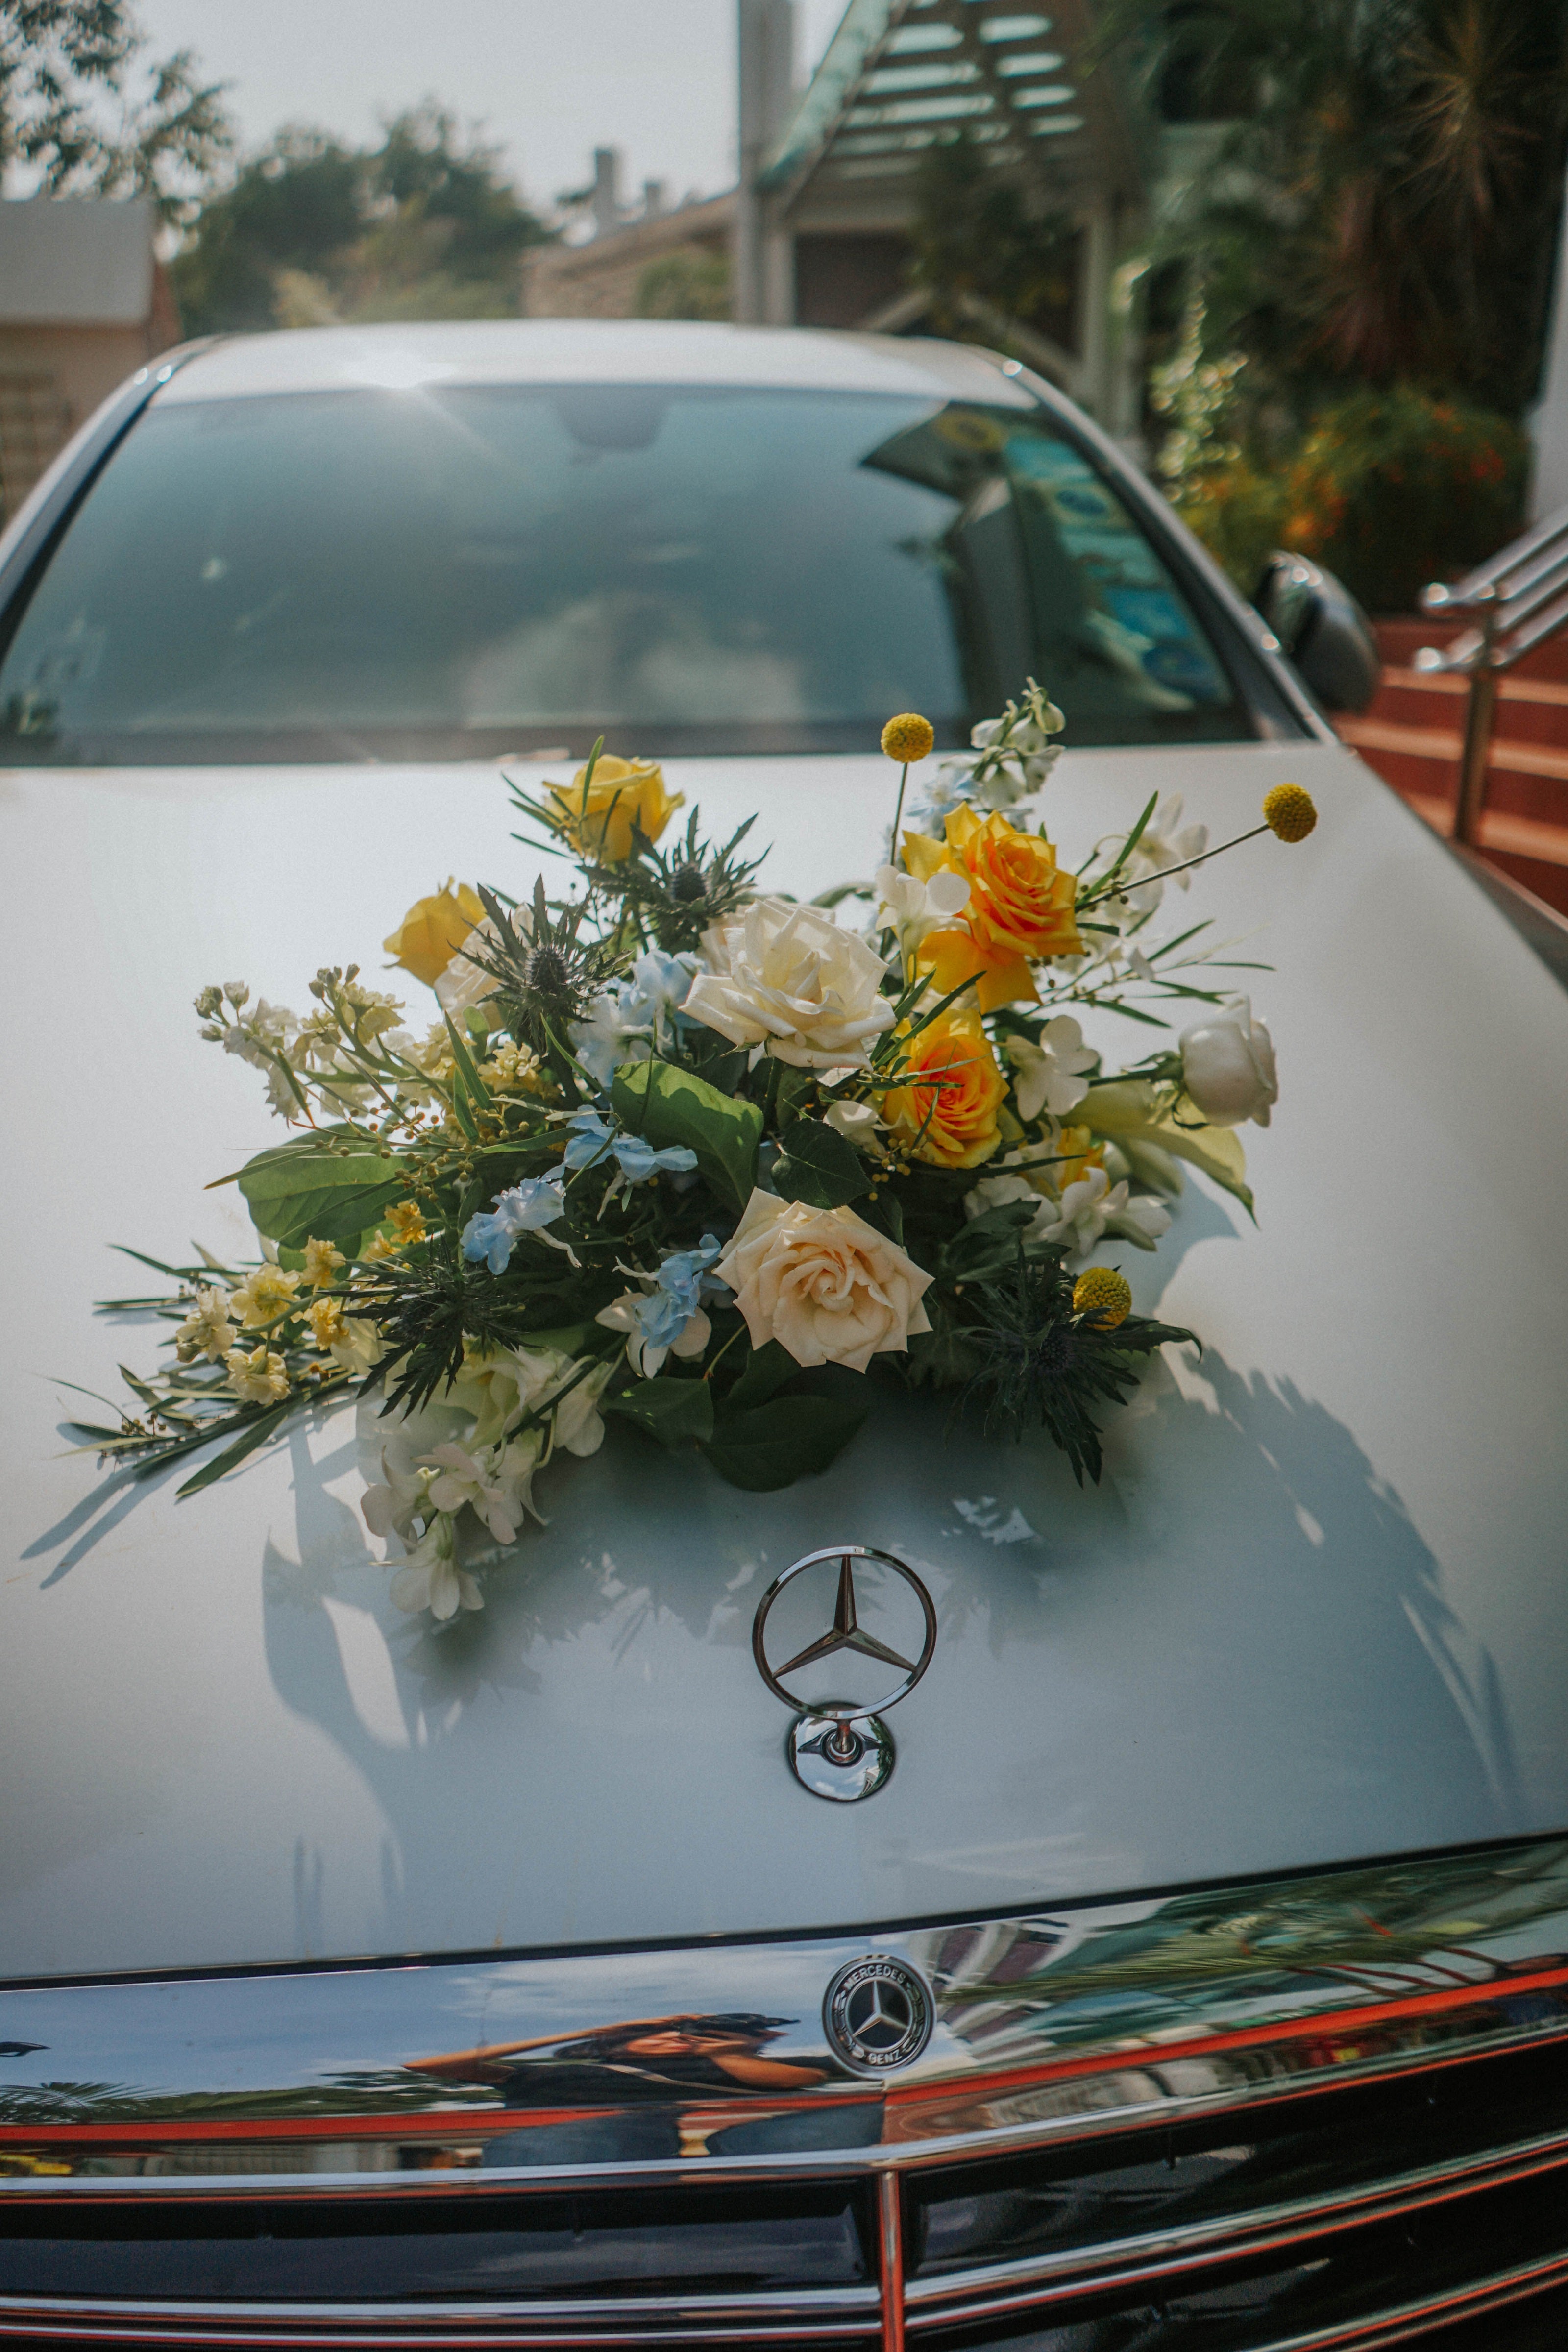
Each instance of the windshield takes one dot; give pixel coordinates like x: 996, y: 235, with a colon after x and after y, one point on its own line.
x: 464, y: 572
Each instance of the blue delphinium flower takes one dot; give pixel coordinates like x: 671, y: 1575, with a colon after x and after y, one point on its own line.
x: 637, y: 1017
x: 524, y: 1209
x: 682, y: 1283
x: 634, y: 1155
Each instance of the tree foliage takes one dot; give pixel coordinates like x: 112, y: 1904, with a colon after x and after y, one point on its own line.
x: 1378, y: 200
x: 80, y: 113
x: 990, y: 232
x: 423, y: 225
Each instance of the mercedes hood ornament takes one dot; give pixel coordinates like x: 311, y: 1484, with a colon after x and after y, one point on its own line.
x: 841, y: 1748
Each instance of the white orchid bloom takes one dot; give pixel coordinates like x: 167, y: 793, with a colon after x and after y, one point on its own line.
x: 431, y: 1578
x: 909, y: 908
x: 1049, y: 1074
x: 463, y: 1478
x: 392, y: 1509
x: 1085, y: 1209
x: 1227, y: 1066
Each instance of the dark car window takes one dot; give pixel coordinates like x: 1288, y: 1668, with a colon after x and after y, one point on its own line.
x: 463, y: 572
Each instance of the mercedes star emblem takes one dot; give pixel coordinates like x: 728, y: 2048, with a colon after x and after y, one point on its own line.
x: 841, y: 1748
x: 876, y: 2014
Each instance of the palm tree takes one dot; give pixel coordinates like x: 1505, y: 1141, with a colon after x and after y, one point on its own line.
x: 1380, y: 196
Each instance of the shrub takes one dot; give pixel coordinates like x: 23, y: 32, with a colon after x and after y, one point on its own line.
x: 1391, y: 489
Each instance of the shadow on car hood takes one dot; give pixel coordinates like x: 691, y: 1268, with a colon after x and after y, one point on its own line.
x: 1313, y: 1611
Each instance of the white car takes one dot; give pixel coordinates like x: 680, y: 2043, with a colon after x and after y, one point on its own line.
x: 1199, y: 1977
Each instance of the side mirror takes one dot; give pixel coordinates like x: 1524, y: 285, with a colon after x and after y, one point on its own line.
x: 1323, y: 630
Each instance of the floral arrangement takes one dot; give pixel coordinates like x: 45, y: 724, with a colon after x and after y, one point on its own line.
x: 681, y: 1153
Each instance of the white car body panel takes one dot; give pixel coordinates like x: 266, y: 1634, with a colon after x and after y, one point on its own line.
x: 1314, y: 1612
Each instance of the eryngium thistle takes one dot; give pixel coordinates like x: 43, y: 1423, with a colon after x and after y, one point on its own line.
x: 676, y: 897
x: 1043, y: 1366
x: 548, y: 974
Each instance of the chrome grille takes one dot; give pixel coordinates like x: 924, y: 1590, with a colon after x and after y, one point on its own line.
x: 1328, y: 2111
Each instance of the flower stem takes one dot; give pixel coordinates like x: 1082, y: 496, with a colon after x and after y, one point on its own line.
x: 1110, y: 889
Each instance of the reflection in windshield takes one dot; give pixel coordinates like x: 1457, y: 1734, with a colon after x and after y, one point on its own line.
x: 466, y: 572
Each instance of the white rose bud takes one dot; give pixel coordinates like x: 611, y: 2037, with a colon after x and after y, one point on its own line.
x: 1227, y: 1066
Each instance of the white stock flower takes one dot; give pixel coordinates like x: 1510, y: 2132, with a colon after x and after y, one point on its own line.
x: 787, y: 979
x: 829, y: 1287
x: 1227, y: 1066
x: 431, y: 1579
x: 1050, y: 1075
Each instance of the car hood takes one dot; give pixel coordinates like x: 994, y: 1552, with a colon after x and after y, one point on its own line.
x: 1313, y: 1611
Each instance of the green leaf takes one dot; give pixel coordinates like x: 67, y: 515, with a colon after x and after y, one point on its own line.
x: 670, y: 1410
x: 987, y: 1244
x: 465, y: 1061
x: 766, y: 1368
x: 819, y: 1166
x: 675, y: 1107
x: 258, y: 1431
x: 303, y: 1189
x: 797, y: 1089
x: 773, y: 1445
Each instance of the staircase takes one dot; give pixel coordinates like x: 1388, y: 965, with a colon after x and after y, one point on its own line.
x: 1411, y: 732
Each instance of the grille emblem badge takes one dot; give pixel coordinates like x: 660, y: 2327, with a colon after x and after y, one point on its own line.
x: 841, y: 1748
x: 876, y: 2014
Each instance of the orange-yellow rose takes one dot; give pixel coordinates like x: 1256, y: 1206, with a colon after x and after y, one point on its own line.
x: 433, y: 930
x: 598, y: 822
x: 951, y: 1093
x: 1020, y: 907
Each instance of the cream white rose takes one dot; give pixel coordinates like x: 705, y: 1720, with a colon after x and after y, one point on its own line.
x: 827, y: 1287
x: 787, y: 978
x: 1227, y: 1066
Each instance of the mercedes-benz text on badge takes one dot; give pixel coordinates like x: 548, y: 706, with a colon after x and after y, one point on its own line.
x: 876, y: 2014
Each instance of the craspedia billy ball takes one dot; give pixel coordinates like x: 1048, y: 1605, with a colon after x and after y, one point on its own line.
x: 908, y: 738
x: 1287, y: 811
x: 1104, y: 1293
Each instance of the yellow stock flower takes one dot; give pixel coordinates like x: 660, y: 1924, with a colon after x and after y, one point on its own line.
x: 322, y: 1262
x: 262, y: 1296
x: 433, y: 930
x: 598, y: 822
x: 1020, y: 908
x: 952, y: 1092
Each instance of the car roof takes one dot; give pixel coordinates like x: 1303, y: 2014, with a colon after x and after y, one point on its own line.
x: 574, y: 350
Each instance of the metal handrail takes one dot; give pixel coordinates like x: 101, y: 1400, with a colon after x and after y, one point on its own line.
x: 1520, y: 601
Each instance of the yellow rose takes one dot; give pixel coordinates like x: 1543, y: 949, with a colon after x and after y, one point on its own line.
x: 597, y: 818
x: 1020, y: 907
x: 433, y: 930
x: 952, y: 1092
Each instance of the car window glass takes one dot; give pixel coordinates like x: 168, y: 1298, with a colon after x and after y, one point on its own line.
x: 451, y: 572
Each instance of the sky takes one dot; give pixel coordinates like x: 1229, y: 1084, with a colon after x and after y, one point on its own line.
x: 550, y: 82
